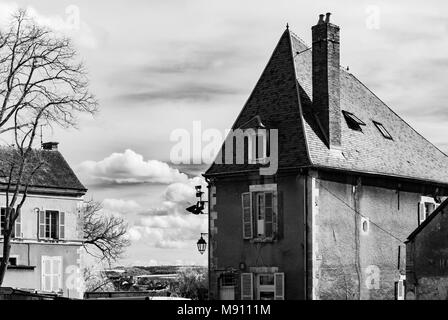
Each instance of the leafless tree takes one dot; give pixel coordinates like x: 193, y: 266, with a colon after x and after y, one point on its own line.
x: 42, y: 83
x: 97, y: 280
x: 104, y: 234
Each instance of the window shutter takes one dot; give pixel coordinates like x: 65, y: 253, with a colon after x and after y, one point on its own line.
x: 399, y: 290
x: 247, y: 215
x: 57, y: 274
x: 61, y: 225
x: 279, y: 284
x: 18, y: 227
x: 2, y: 220
x: 275, y: 215
x: 41, y: 224
x: 421, y: 212
x: 269, y: 214
x: 247, y: 286
x: 46, y: 274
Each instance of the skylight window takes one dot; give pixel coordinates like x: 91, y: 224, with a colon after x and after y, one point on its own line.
x: 353, y: 122
x: 383, y: 130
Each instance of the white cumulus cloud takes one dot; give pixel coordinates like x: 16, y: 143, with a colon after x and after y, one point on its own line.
x: 129, y: 167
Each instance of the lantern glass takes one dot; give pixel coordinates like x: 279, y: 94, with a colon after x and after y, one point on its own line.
x: 202, y: 245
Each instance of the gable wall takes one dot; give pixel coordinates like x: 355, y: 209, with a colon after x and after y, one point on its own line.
x: 348, y: 263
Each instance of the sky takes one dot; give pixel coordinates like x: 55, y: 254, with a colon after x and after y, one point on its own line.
x: 158, y: 67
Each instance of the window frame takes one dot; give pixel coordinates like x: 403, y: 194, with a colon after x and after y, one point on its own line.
x: 253, y: 145
x: 353, y: 122
x: 17, y: 224
x: 52, y: 274
x: 382, y: 129
x: 272, y: 224
x: 53, y: 228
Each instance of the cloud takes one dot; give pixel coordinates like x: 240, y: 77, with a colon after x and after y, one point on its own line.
x: 134, y: 234
x: 68, y: 23
x: 170, y: 226
x: 129, y: 167
x: 154, y: 212
x: 186, y: 91
x: 120, y: 206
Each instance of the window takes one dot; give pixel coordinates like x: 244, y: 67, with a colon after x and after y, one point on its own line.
x: 268, y: 286
x: 51, y: 274
x: 260, y: 214
x: 365, y: 225
x: 12, y: 261
x: 425, y: 207
x: 17, y: 230
x: 258, y: 146
x: 51, y: 224
x: 400, y: 287
x: 353, y: 122
x: 227, y: 283
x: 383, y: 130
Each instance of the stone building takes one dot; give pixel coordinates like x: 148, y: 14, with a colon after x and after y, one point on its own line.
x: 329, y: 222
x: 427, y: 258
x: 47, y: 240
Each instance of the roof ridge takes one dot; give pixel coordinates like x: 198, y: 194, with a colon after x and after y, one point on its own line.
x: 395, y: 113
x: 299, y: 39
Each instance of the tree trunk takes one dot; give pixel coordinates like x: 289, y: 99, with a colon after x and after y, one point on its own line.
x: 6, y: 252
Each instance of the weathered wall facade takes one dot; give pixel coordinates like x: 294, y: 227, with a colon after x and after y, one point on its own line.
x: 345, y: 258
x: 427, y: 260
x: 228, y: 249
x: 28, y: 249
x: 350, y: 262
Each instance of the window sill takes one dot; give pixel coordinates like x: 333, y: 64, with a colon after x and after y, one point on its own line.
x: 263, y: 240
x: 21, y: 267
x: 51, y: 240
x: 259, y: 161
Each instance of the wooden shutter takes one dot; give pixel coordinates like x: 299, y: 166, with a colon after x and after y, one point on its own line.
x: 276, y: 215
x: 399, y: 290
x: 41, y: 224
x: 421, y: 212
x: 61, y: 225
x: 269, y: 214
x: 18, y: 227
x: 2, y: 220
x: 247, y: 286
x: 46, y: 273
x: 279, y: 285
x: 56, y: 274
x: 246, y: 202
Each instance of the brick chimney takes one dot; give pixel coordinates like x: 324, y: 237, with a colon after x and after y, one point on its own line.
x: 50, y: 145
x: 326, y: 82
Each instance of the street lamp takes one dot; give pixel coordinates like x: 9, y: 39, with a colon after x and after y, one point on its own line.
x: 200, y: 205
x: 202, y: 244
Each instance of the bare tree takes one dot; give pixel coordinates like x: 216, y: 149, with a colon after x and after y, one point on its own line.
x: 41, y: 84
x: 104, y: 234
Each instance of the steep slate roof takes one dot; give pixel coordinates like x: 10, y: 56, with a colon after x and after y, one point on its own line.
x: 408, y: 155
x: 54, y: 173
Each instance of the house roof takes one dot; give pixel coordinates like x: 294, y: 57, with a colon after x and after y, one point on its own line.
x: 54, y: 172
x: 408, y: 155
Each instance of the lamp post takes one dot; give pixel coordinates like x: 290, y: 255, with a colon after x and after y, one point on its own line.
x: 202, y: 244
x: 200, y: 205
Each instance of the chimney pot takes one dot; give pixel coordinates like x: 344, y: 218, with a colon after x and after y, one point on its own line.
x: 321, y: 19
x: 327, y: 17
x: 50, y: 145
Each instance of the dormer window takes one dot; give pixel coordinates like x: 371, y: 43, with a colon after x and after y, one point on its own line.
x: 258, y: 146
x: 353, y: 122
x: 383, y: 130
